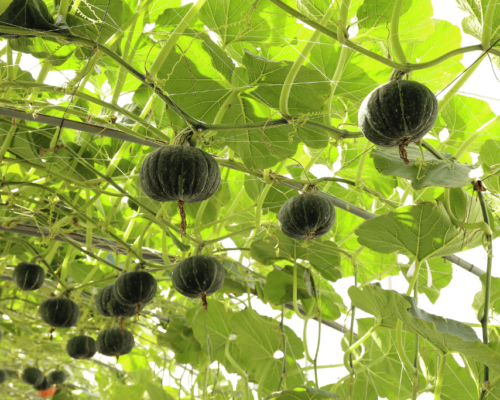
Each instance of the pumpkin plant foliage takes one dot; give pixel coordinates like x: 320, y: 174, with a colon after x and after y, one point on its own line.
x: 154, y: 153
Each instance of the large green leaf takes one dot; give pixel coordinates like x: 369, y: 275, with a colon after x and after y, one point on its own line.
x: 431, y: 172
x: 446, y: 334
x: 31, y: 14
x: 414, y: 25
x: 424, y: 230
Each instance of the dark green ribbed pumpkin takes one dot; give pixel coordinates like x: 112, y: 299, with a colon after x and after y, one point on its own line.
x: 28, y: 276
x: 307, y: 216
x: 81, y: 347
x: 398, y: 113
x: 198, y: 276
x: 32, y: 376
x: 108, y: 306
x: 59, y: 312
x: 114, y: 342
x: 56, y: 377
x: 135, y: 288
x: 179, y: 173
x: 3, y: 376
x: 45, y: 385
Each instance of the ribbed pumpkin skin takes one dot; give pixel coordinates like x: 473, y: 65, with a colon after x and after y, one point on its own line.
x: 59, y: 312
x: 32, y: 376
x: 307, y: 216
x: 111, y: 342
x: 198, y: 274
x: 45, y: 385
x: 28, y: 276
x: 108, y: 306
x: 179, y: 173
x: 383, y: 120
x: 138, y: 287
x: 56, y: 377
x: 3, y: 376
x: 81, y: 347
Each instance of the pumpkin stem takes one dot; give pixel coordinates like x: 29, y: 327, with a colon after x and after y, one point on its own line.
x: 203, y: 296
x: 122, y: 324
x: 403, y: 142
x: 180, y: 206
x: 117, y: 357
x: 51, y: 332
x: 138, y: 305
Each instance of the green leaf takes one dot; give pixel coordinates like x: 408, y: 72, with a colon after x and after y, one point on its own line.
x: 181, y: 340
x: 279, y: 285
x: 258, y: 338
x: 446, y: 334
x: 31, y: 14
x: 431, y: 172
x: 120, y: 392
x: 490, y: 155
x: 323, y: 255
x: 303, y: 393
x: 424, y: 230
x: 415, y: 22
x: 157, y: 393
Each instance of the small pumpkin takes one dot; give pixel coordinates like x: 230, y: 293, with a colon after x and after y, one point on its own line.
x: 59, y: 312
x: 114, y: 342
x: 198, y: 276
x: 307, y: 216
x: 56, y: 377
x: 43, y: 386
x: 29, y: 276
x: 32, y: 376
x: 3, y: 376
x: 398, y: 113
x: 108, y: 306
x: 135, y: 288
x: 81, y: 347
x: 179, y: 173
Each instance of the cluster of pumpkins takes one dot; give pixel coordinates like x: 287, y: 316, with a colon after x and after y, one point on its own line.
x: 394, y: 114
x: 45, y: 385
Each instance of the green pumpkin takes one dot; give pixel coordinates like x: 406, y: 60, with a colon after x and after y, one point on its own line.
x: 3, y: 376
x: 32, y: 376
x: 56, y: 377
x: 182, y: 173
x: 108, y: 306
x: 135, y: 288
x: 398, y: 113
x: 81, y: 347
x: 59, y: 312
x: 114, y: 342
x: 307, y: 216
x: 198, y: 276
x: 28, y: 276
x: 44, y: 385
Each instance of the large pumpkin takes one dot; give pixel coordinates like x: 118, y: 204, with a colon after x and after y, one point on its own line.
x: 135, y: 288
x: 59, y: 312
x: 32, y: 376
x: 28, y: 276
x: 56, y: 377
x: 198, y: 276
x: 398, y: 113
x: 108, y: 306
x: 307, y: 216
x: 81, y: 347
x: 114, y: 342
x: 179, y: 173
